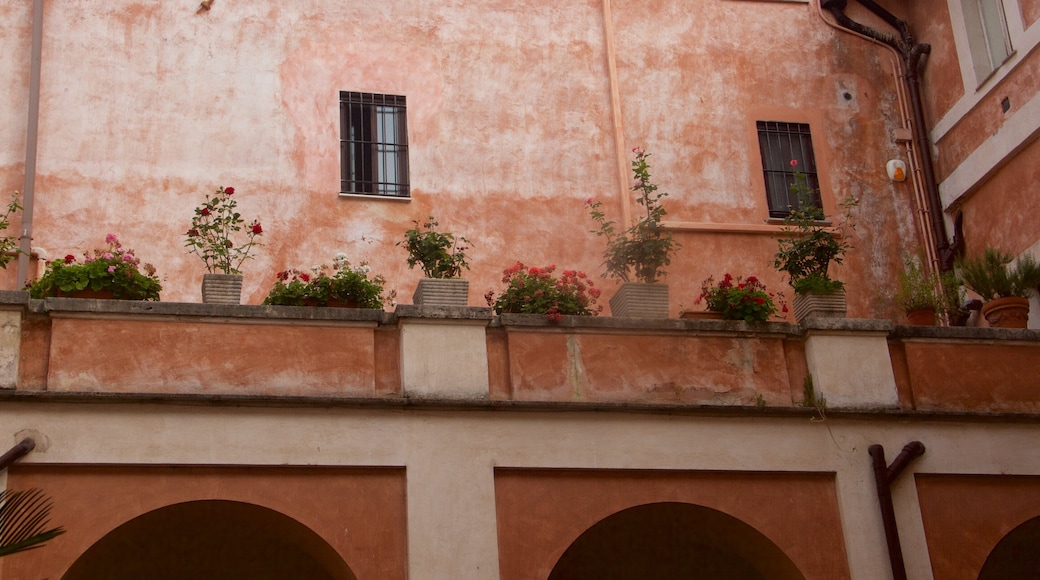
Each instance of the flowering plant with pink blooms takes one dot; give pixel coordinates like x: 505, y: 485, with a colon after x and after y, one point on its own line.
x: 115, y: 268
x: 215, y: 222
x: 740, y: 299
x: 536, y: 290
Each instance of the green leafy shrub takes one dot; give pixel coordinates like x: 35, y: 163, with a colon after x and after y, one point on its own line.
x: 439, y: 254
x: 643, y: 249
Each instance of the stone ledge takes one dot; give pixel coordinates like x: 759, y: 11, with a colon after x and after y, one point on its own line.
x: 14, y: 298
x: 610, y: 323
x: 192, y: 309
x: 442, y: 312
x: 964, y: 333
x: 865, y: 325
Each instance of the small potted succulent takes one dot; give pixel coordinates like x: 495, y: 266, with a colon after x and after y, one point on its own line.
x: 442, y: 257
x: 918, y: 295
x: 537, y: 290
x: 343, y: 286
x: 637, y: 255
x: 111, y: 272
x: 808, y: 246
x: 213, y: 226
x: 1003, y: 283
x: 740, y: 299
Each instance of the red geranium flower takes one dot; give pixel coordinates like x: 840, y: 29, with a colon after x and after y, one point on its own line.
x: 69, y: 258
x: 229, y: 190
x: 257, y: 230
x: 204, y: 211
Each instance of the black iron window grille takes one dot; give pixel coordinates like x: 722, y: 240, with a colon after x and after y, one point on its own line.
x: 373, y: 144
x: 781, y: 143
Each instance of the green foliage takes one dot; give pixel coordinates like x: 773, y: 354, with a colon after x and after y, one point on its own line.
x: 917, y: 286
x: 808, y: 246
x: 346, y: 285
x: 953, y: 298
x: 993, y: 275
x: 115, y: 268
x: 740, y: 299
x: 536, y: 291
x: 8, y: 244
x: 440, y: 255
x: 24, y: 516
x: 642, y: 250
x: 215, y: 222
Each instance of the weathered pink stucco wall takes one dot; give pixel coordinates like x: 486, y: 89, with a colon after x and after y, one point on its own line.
x: 511, y: 127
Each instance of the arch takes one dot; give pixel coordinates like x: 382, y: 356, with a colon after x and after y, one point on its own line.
x: 210, y: 539
x: 673, y: 540
x: 1015, y: 555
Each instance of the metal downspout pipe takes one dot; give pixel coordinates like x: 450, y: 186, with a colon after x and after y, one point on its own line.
x: 17, y: 452
x: 884, y: 476
x: 910, y: 53
x: 31, y: 137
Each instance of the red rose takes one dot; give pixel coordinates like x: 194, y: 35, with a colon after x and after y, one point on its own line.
x: 257, y: 230
x: 229, y: 190
x: 204, y: 211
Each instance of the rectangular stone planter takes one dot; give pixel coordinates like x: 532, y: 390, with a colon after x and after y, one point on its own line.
x: 221, y: 288
x: 829, y: 305
x: 640, y: 300
x: 441, y: 292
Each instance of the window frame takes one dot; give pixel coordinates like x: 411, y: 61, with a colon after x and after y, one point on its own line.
x: 780, y: 142
x: 374, y: 145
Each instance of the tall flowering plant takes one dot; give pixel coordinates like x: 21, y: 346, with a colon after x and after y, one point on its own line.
x: 810, y: 244
x: 115, y: 268
x: 536, y: 290
x: 644, y: 248
x: 215, y: 222
x: 740, y: 299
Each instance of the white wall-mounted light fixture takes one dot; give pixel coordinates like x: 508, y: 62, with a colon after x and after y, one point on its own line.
x: 896, y: 170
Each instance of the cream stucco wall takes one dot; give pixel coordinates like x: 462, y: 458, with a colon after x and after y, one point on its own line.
x: 450, y: 457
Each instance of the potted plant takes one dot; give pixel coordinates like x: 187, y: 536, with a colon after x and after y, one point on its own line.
x: 637, y: 255
x: 806, y: 249
x: 213, y: 226
x: 9, y: 244
x: 537, y: 291
x: 955, y: 304
x: 740, y: 299
x: 111, y: 272
x: 344, y: 286
x: 917, y: 292
x: 442, y: 257
x: 1003, y: 283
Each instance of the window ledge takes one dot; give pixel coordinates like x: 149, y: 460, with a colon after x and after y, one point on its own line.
x: 772, y: 227
x: 374, y: 196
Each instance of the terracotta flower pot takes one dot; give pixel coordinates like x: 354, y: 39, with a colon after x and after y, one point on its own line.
x: 921, y: 317
x: 103, y: 294
x: 1007, y: 312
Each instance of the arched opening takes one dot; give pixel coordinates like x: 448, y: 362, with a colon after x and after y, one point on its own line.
x: 211, y: 539
x: 665, y: 541
x: 1015, y: 555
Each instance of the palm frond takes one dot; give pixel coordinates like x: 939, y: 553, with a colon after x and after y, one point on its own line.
x: 23, y: 520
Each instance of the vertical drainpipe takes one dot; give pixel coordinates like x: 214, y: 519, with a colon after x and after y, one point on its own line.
x: 620, y: 154
x: 31, y: 135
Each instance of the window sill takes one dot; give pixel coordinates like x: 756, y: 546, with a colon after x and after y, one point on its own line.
x: 375, y: 196
x: 772, y: 227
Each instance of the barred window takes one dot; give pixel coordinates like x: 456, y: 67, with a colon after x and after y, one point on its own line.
x: 781, y: 143
x: 373, y: 144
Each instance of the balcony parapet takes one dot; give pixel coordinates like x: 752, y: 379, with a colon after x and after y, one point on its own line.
x: 419, y: 353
